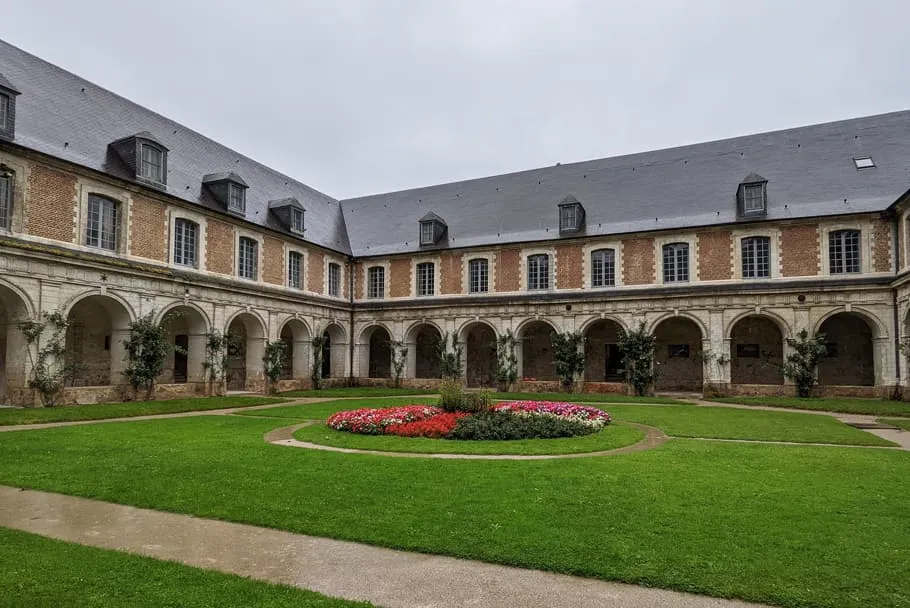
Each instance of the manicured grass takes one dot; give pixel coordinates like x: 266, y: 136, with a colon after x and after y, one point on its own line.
x: 903, y: 423
x: 40, y: 572
x: 611, y: 437
x: 848, y: 406
x: 124, y: 410
x: 583, y: 398
x: 359, y: 391
x: 679, y: 421
x: 795, y: 526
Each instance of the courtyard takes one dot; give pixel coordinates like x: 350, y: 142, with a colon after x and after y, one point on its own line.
x: 773, y: 507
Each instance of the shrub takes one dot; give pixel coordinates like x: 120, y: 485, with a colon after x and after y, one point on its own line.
x: 502, y: 425
x: 802, y: 363
x: 273, y: 361
x: 637, y: 347
x: 506, y: 361
x: 569, y: 359
x: 453, y: 398
x: 147, y: 347
x: 449, y: 358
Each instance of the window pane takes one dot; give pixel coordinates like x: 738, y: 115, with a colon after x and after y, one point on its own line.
x: 843, y: 251
x: 676, y: 263
x: 6, y: 200
x: 334, y: 279
x: 754, y: 197
x: 427, y: 233
x: 236, y: 198
x: 568, y: 217
x: 4, y: 111
x: 426, y: 276
x: 296, y: 220
x: 294, y: 259
x: 185, y: 242
x: 539, y: 271
x: 376, y: 282
x: 603, y: 268
x: 101, y: 223
x: 248, y: 259
x: 150, y: 164
x: 478, y: 276
x: 756, y: 257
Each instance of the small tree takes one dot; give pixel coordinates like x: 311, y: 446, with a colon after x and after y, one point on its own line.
x: 802, y: 364
x: 273, y: 362
x: 399, y: 357
x: 319, y: 343
x: 506, y: 361
x: 49, y: 370
x: 216, y: 360
x: 146, y: 349
x: 449, y: 358
x: 637, y: 347
x: 569, y: 358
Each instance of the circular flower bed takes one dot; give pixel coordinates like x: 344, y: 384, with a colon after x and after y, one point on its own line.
x: 509, y: 420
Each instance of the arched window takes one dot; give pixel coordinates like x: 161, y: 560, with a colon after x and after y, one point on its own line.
x: 102, y: 226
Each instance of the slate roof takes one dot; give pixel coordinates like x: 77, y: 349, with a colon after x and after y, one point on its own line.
x: 68, y: 117
x: 810, y: 172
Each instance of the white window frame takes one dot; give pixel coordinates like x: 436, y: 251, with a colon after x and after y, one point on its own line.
x: 86, y: 187
x: 325, y: 277
x: 304, y: 265
x: 773, y: 235
x: 238, y: 234
x: 17, y: 203
x: 593, y: 246
x: 231, y: 188
x: 865, y: 246
x: 385, y: 281
x: 294, y: 225
x: 523, y: 268
x: 175, y: 214
x: 183, y: 251
x: 431, y: 225
x: 437, y: 267
x: 5, y: 104
x: 162, y: 167
x: 9, y: 200
x: 688, y: 239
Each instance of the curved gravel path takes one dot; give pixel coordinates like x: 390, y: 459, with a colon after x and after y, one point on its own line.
x: 285, y: 436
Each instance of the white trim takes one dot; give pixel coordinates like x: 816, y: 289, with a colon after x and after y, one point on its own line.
x: 689, y: 239
x: 342, y: 289
x: 304, y: 266
x: 865, y: 246
x: 490, y: 257
x: 437, y: 267
x: 124, y: 202
x: 260, y: 239
x: 386, y: 279
x: 523, y: 268
x: 586, y: 252
x: 177, y: 213
x: 773, y: 234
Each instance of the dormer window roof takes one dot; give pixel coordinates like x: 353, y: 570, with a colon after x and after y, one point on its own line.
x: 752, y: 196
x: 229, y: 189
x: 290, y: 212
x: 571, y: 215
x: 432, y: 229
x: 8, y: 94
x: 145, y: 156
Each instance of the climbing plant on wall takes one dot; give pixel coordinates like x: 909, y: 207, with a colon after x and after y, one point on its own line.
x: 802, y: 363
x: 216, y: 361
x: 46, y: 340
x: 319, y: 343
x: 146, y: 349
x: 637, y: 347
x: 568, y: 357
x: 273, y: 361
x: 506, y: 360
x: 399, y: 357
x: 449, y: 352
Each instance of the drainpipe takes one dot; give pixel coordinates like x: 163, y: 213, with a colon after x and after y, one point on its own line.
x: 351, y: 322
x: 895, y: 227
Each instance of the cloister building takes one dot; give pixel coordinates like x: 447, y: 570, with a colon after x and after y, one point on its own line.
x: 109, y: 211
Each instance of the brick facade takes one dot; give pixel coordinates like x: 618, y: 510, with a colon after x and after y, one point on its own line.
x: 715, y: 255
x: 399, y: 283
x: 881, y: 246
x: 359, y: 278
x: 638, y: 261
x: 508, y: 269
x: 51, y: 200
x: 273, y: 261
x: 569, y: 267
x: 148, y: 229
x: 799, y: 256
x: 219, y: 247
x: 316, y: 272
x: 450, y: 280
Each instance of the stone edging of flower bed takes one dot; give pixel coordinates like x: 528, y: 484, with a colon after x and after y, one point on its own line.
x: 654, y: 437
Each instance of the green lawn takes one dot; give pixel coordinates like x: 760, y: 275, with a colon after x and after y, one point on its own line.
x: 849, y: 406
x: 903, y: 423
x: 124, y: 410
x: 796, y: 526
x: 679, y: 421
x: 582, y: 398
x: 359, y: 391
x: 40, y: 572
x: 611, y: 437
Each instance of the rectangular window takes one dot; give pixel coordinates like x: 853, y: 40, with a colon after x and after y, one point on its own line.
x: 151, y: 165
x: 296, y: 220
x: 603, y: 268
x: 427, y: 233
x: 426, y: 279
x: 295, y: 259
x: 334, y: 279
x: 678, y: 351
x: 248, y: 259
x: 236, y: 198
x: 186, y: 239
x: 756, y: 253
x: 843, y: 251
x: 4, y: 112
x: 376, y: 282
x: 753, y: 198
x: 478, y: 276
x: 568, y: 218
x: 676, y: 263
x: 6, y: 201
x: 101, y: 226
x: 748, y: 351
x: 539, y: 271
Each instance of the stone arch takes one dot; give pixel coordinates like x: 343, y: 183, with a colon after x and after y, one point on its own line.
x: 479, y: 340
x: 99, y: 324
x: 536, y: 360
x: 15, y: 308
x: 187, y: 326
x: 850, y: 360
x: 678, y: 354
x: 603, y: 359
x: 583, y: 327
x: 376, y: 351
x: 782, y: 325
x: 334, y: 351
x: 422, y: 339
x: 246, y: 334
x: 756, y: 350
x: 702, y: 327
x: 879, y: 329
x: 298, y: 343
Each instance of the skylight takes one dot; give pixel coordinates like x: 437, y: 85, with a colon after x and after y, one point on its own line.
x: 864, y: 162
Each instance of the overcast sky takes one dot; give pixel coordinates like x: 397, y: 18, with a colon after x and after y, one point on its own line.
x: 367, y: 96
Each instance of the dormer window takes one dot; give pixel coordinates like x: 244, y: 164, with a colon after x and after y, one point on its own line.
x: 229, y: 189
x: 571, y: 215
x: 7, y: 109
x: 151, y: 163
x: 290, y: 212
x: 237, y: 199
x: 145, y: 157
x: 432, y: 229
x: 752, y: 196
x: 4, y: 111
